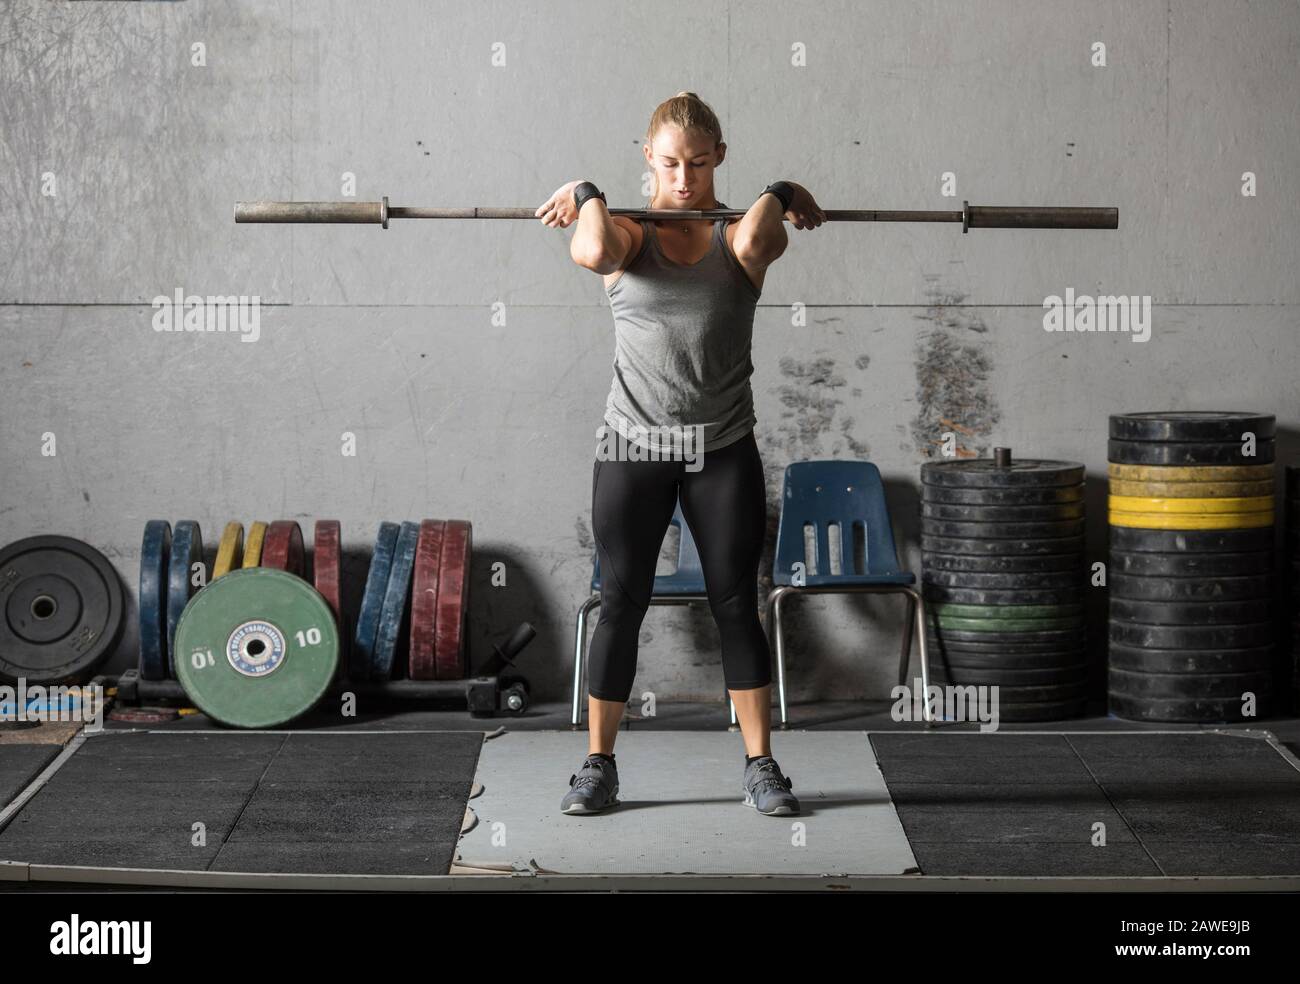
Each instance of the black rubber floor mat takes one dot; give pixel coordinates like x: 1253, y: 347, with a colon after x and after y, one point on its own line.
x: 20, y: 764
x: 1094, y: 804
x: 341, y: 803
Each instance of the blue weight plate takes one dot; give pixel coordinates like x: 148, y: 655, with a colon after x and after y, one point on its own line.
x: 396, y: 597
x: 372, y: 602
x: 154, y: 552
x: 187, y: 550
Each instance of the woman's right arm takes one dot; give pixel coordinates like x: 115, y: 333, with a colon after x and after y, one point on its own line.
x: 600, y: 243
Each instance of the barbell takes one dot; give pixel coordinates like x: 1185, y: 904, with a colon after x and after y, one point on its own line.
x: 970, y: 216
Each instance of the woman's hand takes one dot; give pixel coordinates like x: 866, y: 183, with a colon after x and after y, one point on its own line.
x: 803, y: 210
x: 558, y: 212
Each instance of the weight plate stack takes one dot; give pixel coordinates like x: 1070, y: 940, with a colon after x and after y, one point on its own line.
x: 1293, y: 577
x: 1003, y: 575
x: 1191, y: 572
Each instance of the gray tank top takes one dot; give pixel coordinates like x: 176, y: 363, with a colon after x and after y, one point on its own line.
x: 682, y: 336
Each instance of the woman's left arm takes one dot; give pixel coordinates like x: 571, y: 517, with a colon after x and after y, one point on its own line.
x: 761, y: 237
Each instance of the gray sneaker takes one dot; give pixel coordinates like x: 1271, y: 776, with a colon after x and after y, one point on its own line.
x: 767, y: 790
x: 592, y: 788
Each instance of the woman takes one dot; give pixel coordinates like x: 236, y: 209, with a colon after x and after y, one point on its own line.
x: 683, y: 296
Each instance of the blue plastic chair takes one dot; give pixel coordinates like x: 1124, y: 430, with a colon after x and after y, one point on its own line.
x: 840, y: 497
x: 682, y: 587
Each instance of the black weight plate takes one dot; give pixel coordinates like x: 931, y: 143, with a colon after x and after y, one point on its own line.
x: 1002, y: 514
x: 1002, y: 531
x: 1186, y: 565
x: 1191, y: 612
x: 1049, y: 638
x: 979, y: 596
x: 1012, y: 678
x: 984, y: 473
x: 1190, y: 660
x: 155, y: 550
x: 1063, y: 494
x: 1187, y: 453
x: 1129, y: 538
x: 63, y: 608
x: 1071, y: 546
x: 1034, y: 695
x: 931, y: 561
x: 1136, y: 588
x: 1146, y: 636
x: 1042, y: 711
x: 1187, y: 711
x: 1019, y: 582
x: 1188, y: 686
x: 1293, y: 481
x: 1191, y: 425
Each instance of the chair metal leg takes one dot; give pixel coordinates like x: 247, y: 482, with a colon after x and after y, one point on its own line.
x: 907, y: 641
x: 775, y: 599
x: 579, y: 657
x: 925, y: 656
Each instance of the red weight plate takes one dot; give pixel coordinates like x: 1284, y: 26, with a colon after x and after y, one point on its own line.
x: 424, y: 601
x: 326, y: 572
x: 453, y: 601
x: 283, y: 548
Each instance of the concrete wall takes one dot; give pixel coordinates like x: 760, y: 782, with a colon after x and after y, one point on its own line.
x: 472, y: 359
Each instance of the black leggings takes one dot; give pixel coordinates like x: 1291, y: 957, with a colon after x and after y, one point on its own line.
x: 725, y: 506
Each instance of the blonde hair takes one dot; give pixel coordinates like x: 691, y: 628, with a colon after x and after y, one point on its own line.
x: 685, y: 110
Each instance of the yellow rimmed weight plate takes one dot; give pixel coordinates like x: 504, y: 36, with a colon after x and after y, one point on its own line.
x: 1190, y: 490
x: 253, y: 545
x: 229, y: 550
x: 1191, y: 521
x: 1139, y: 504
x: 1191, y: 473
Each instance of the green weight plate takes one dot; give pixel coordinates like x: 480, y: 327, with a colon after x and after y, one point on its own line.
x: 1186, y: 711
x: 1187, y: 453
x: 1002, y: 531
x: 979, y: 596
x: 1008, y: 624
x: 1191, y: 612
x: 1002, y: 658
x: 1014, y: 582
x: 1004, y: 611
x: 985, y: 473
x: 1071, y: 546
x: 1052, y: 639
x: 1128, y: 538
x: 1194, y: 566
x: 1050, y: 676
x: 1144, y: 635
x: 1002, y: 497
x: 1188, y: 686
x: 1193, y: 473
x: 1002, y: 514
x: 256, y: 648
x: 1190, y: 660
x: 1191, y: 425
x: 931, y: 561
x: 1135, y: 588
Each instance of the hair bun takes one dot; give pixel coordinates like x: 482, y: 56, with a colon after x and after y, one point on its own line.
x: 685, y: 93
